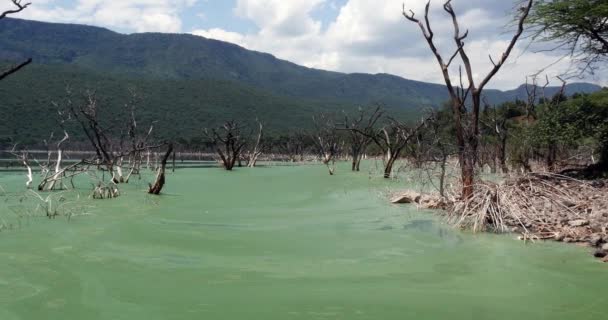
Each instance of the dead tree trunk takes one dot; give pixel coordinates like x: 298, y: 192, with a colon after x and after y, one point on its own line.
x: 502, y: 155
x: 359, y: 142
x: 23, y: 158
x: 158, y: 185
x: 327, y: 142
x: 228, y: 143
x: 49, y: 183
x: 392, y: 141
x: 467, y: 132
x: 255, y: 153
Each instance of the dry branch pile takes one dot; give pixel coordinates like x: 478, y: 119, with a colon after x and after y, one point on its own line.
x: 540, y: 207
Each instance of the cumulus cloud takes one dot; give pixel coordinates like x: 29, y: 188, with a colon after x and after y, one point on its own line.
x: 364, y: 36
x: 372, y: 36
x: 131, y: 15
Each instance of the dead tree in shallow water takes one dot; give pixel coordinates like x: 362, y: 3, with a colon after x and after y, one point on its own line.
x: 254, y: 154
x: 19, y: 6
x: 22, y: 156
x: 360, y: 130
x: 111, y: 142
x: 437, y: 147
x: 228, y: 143
x: 293, y: 146
x: 114, y: 140
x: 392, y: 139
x: 466, y: 122
x: 158, y: 185
x: 50, y: 182
x: 326, y: 141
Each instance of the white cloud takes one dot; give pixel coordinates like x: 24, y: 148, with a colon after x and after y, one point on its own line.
x: 137, y: 15
x: 279, y: 17
x: 372, y: 36
x: 366, y: 35
x: 220, y: 34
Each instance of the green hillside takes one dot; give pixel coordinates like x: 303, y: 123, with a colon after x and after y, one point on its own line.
x: 188, y: 57
x: 189, y: 82
x: 182, y: 108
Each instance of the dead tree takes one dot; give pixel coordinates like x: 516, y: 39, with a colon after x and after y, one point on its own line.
x: 466, y: 121
x: 360, y: 130
x: 22, y: 156
x: 255, y: 153
x: 551, y: 104
x: 496, y: 123
x: 158, y: 185
x: 391, y: 139
x: 293, y: 146
x: 228, y: 142
x: 113, y: 140
x: 54, y: 180
x: 134, y: 143
x: 326, y: 141
x: 438, y: 146
x: 19, y: 6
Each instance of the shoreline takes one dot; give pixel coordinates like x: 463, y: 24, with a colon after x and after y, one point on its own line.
x: 538, y: 207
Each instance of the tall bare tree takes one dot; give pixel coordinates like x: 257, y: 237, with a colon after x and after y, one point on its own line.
x: 361, y: 128
x: 466, y: 121
x: 228, y: 141
x: 437, y: 146
x: 159, y: 183
x: 18, y: 7
x: 293, y: 146
x: 256, y: 150
x: 327, y: 141
x: 391, y: 139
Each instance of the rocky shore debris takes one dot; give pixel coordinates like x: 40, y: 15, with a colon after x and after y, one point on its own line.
x: 537, y: 206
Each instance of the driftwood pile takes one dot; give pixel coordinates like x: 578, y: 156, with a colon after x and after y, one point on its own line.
x: 537, y: 206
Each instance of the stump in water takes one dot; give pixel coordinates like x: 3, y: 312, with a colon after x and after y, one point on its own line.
x: 157, y: 187
x: 105, y: 191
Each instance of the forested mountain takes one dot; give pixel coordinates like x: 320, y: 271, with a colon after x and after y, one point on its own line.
x: 190, y: 80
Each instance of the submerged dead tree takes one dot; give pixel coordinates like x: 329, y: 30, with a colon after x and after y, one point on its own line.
x: 228, y: 142
x: 392, y: 140
x: 361, y: 129
x: 326, y: 140
x: 293, y: 146
x: 158, y: 185
x: 256, y: 151
x: 466, y: 121
x: 437, y: 147
x: 18, y: 7
x: 114, y: 140
x: 54, y: 180
x: 22, y: 156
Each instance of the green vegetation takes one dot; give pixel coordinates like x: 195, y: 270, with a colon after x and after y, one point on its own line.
x: 576, y: 26
x: 561, y: 132
x: 181, y: 108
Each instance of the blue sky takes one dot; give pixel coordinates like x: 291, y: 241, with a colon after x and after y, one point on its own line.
x: 368, y: 36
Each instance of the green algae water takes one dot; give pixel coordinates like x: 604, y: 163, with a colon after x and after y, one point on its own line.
x: 279, y: 243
